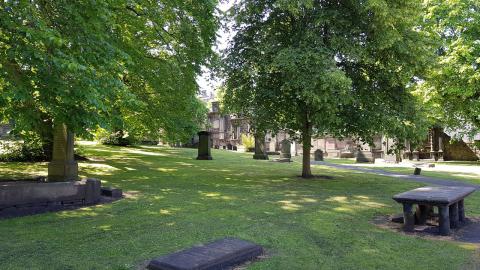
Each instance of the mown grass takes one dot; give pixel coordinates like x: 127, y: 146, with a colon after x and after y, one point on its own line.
x: 176, y: 201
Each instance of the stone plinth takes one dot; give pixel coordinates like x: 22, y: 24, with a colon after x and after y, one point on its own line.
x: 204, y: 146
x: 63, y: 166
x: 365, y: 157
x: 221, y: 254
x: 260, y: 151
x: 318, y: 155
x: 18, y: 194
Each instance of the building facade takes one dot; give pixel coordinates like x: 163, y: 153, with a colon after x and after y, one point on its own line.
x: 226, y: 131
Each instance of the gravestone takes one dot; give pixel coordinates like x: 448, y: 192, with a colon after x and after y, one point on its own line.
x: 365, y: 157
x: 221, y: 254
x: 63, y: 166
x: 285, y: 151
x: 318, y: 155
x: 417, y: 171
x: 204, y: 146
x: 260, y: 151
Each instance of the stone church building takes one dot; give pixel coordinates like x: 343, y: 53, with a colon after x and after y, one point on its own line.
x: 226, y: 131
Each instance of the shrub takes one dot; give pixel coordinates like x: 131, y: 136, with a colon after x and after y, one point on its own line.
x: 248, y: 141
x: 28, y: 150
x: 119, y: 138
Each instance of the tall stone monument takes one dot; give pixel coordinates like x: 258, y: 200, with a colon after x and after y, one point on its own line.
x: 260, y: 151
x: 204, y: 146
x: 63, y: 166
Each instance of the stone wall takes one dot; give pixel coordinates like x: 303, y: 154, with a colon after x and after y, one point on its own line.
x: 458, y: 150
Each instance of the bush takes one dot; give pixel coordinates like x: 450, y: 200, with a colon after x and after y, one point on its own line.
x: 119, y: 138
x: 28, y: 150
x: 248, y: 141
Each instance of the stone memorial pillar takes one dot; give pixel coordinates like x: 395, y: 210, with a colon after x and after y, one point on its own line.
x: 260, y: 151
x: 63, y: 166
x: 408, y: 150
x: 204, y: 146
x: 440, y: 147
x: 433, y: 153
x: 285, y: 152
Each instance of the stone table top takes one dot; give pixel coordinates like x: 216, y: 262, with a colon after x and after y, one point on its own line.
x: 440, y: 195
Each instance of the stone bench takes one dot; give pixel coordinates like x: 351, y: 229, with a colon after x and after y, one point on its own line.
x: 217, y: 255
x: 448, y: 200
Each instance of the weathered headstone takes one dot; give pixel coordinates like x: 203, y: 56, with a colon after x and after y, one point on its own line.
x: 285, y: 154
x: 63, y: 166
x: 318, y: 155
x: 204, y: 146
x: 221, y: 254
x: 260, y: 151
x: 365, y: 157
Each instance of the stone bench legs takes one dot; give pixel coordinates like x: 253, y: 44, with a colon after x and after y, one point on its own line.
x: 448, y: 216
x: 444, y: 220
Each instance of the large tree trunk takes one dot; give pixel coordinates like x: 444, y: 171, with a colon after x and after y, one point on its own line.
x: 306, y: 170
x: 307, y: 146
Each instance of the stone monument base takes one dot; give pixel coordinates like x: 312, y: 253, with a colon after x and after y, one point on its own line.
x: 31, y: 193
x: 62, y: 171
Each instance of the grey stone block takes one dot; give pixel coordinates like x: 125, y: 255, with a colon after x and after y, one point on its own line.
x: 112, y: 192
x: 217, y: 255
x: 92, y: 191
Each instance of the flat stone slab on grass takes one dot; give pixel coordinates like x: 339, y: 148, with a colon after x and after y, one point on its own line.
x: 217, y: 255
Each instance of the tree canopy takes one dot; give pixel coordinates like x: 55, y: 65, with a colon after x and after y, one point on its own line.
x: 452, y: 85
x: 342, y: 68
x: 109, y: 63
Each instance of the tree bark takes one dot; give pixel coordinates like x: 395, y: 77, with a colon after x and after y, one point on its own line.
x: 307, y: 146
x: 306, y: 170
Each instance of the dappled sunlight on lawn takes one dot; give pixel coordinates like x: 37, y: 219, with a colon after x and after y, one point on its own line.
x: 166, y: 170
x: 216, y: 196
x: 172, y: 201
x: 289, y: 205
x: 81, y: 212
x: 354, y: 203
x: 19, y: 170
x: 97, y: 168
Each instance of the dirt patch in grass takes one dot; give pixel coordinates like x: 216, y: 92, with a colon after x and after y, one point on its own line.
x: 467, y: 232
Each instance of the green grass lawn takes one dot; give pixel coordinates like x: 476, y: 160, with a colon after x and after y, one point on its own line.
x: 176, y: 201
x: 472, y: 178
